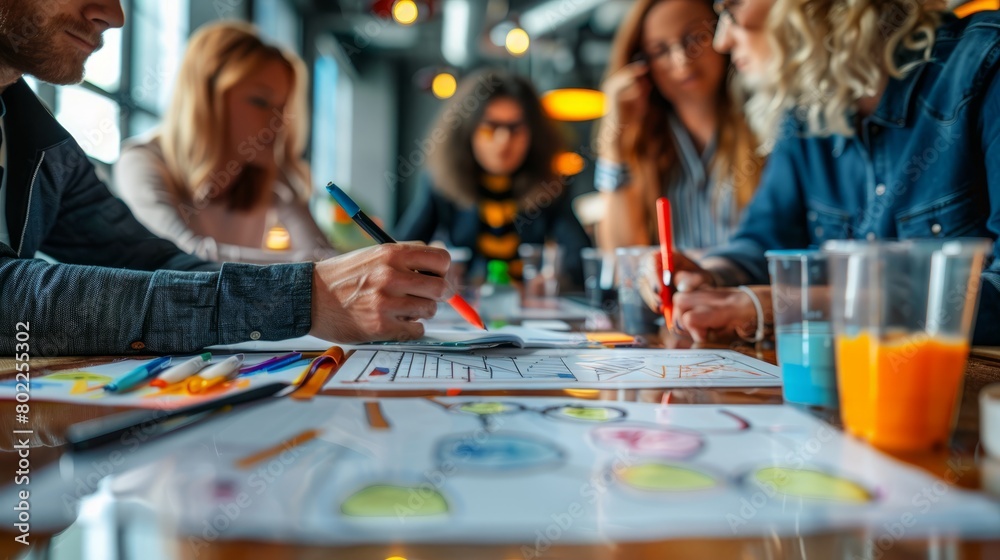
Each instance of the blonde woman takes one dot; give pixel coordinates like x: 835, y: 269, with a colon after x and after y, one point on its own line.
x: 885, y: 116
x: 223, y: 177
x: 673, y: 129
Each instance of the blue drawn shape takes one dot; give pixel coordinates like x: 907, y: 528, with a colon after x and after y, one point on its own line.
x: 498, y: 452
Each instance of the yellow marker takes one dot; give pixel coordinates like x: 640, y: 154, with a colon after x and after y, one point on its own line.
x: 215, y: 374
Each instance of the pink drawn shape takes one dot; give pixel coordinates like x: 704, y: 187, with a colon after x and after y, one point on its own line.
x: 648, y: 441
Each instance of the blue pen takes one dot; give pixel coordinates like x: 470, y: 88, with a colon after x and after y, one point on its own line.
x: 273, y: 363
x: 142, y: 373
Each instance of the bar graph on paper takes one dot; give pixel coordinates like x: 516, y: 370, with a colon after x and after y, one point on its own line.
x: 622, y: 368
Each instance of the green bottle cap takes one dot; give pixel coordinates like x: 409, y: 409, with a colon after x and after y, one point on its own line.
x: 497, y: 272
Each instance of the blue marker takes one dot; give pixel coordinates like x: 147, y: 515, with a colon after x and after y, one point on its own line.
x: 142, y: 373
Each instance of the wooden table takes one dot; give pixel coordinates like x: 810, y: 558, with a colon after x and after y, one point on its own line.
x: 961, y: 463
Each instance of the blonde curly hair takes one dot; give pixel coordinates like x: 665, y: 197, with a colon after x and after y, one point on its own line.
x: 829, y: 54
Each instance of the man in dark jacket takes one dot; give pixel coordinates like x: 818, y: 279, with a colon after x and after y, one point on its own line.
x: 118, y: 289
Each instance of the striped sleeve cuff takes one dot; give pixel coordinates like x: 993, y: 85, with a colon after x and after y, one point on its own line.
x: 610, y: 177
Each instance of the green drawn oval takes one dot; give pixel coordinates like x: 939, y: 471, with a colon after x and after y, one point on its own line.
x: 79, y: 376
x: 387, y: 500
x: 812, y: 484
x: 659, y: 477
x: 588, y: 413
x: 485, y: 408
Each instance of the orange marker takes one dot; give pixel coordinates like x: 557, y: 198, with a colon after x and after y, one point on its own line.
x: 666, y: 258
x: 466, y: 311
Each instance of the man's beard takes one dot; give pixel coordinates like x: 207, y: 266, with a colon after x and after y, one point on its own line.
x: 33, y: 43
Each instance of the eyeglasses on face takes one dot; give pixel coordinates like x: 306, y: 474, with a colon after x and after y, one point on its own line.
x: 727, y: 9
x: 490, y: 128
x: 691, y: 46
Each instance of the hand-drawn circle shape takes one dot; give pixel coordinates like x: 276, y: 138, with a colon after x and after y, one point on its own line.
x: 648, y: 440
x: 395, y: 501
x: 664, y: 477
x: 583, y: 413
x: 486, y: 408
x: 812, y: 484
x: 498, y: 452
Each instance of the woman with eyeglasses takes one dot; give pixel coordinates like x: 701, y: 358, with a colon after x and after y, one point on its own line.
x: 673, y: 129
x: 492, y: 183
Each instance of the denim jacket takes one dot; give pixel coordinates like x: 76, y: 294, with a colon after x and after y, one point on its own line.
x: 925, y: 164
x: 119, y: 289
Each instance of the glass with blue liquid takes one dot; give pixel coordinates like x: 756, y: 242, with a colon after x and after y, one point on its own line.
x: 800, y: 294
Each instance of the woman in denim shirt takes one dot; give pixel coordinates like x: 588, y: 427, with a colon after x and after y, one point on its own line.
x: 888, y: 126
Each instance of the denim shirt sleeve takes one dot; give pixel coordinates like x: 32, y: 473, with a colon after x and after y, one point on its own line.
x: 988, y: 320
x: 80, y: 310
x: 775, y: 217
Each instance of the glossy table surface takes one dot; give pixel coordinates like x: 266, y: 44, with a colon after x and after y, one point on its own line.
x: 963, y: 463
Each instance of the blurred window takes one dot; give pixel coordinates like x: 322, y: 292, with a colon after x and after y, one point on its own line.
x: 128, y: 83
x: 324, y: 130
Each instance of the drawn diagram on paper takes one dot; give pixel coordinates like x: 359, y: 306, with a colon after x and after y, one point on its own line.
x: 501, y: 467
x: 620, y: 368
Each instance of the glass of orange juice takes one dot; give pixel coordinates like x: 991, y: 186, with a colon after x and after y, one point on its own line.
x: 902, y: 315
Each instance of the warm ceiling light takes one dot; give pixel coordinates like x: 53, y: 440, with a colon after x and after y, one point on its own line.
x: 405, y: 12
x: 278, y: 239
x: 574, y: 104
x: 517, y: 41
x: 568, y: 164
x: 444, y: 85
x: 969, y: 8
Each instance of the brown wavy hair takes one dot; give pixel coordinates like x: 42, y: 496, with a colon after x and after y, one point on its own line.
x: 193, y: 133
x: 452, y: 164
x: 650, y: 151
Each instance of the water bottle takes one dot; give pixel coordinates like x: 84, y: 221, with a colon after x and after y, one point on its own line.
x: 498, y: 298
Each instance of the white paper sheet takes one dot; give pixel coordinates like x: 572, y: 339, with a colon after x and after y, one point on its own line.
x: 554, y: 369
x: 530, y: 471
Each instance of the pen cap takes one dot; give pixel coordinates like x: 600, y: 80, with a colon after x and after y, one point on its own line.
x: 224, y: 368
x: 342, y: 199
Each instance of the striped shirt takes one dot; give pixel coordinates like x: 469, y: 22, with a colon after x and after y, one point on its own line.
x: 704, y: 212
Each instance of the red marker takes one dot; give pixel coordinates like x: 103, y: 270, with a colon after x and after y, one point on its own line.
x: 666, y: 259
